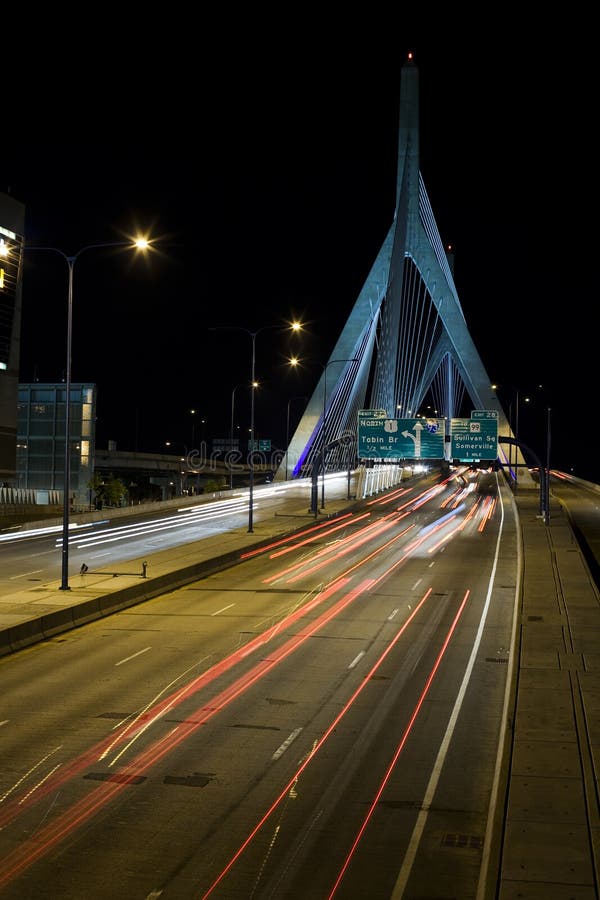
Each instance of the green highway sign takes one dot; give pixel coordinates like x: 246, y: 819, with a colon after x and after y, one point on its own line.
x: 260, y: 445
x: 477, y: 437
x: 484, y: 414
x: 380, y: 438
x: 371, y: 414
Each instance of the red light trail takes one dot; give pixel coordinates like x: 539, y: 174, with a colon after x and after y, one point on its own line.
x: 47, y: 837
x: 400, y: 747
x: 290, y: 784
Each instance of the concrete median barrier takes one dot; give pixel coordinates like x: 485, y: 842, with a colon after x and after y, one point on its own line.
x: 110, y: 597
x: 5, y: 647
x: 24, y: 634
x: 79, y: 614
x: 41, y: 628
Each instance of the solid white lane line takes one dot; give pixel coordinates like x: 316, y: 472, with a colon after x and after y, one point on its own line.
x: 25, y: 574
x: 223, y: 608
x: 281, y: 750
x: 133, y: 656
x: 356, y: 659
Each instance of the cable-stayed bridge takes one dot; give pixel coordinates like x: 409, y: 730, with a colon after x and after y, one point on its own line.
x: 406, y: 345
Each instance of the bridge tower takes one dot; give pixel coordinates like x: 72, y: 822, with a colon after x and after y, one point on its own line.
x: 406, y: 342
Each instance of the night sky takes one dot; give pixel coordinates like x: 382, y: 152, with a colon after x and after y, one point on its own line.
x: 267, y: 178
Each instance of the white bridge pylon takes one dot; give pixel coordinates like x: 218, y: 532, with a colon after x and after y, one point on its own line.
x: 406, y: 346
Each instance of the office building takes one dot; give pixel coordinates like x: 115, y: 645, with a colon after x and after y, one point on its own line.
x: 12, y: 229
x: 41, y: 439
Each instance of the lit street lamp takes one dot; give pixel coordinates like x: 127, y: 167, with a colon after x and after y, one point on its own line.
x: 295, y: 326
x: 516, y: 431
x: 141, y: 244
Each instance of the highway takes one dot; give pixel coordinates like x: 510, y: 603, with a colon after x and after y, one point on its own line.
x: 33, y: 555
x: 322, y: 719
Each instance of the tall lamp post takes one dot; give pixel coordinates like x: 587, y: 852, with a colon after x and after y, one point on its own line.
x: 515, y: 430
x: 517, y: 439
x: 324, y: 441
x: 287, y: 433
x: 231, y: 429
x: 525, y: 400
x: 548, y: 439
x: 141, y: 244
x: 295, y: 326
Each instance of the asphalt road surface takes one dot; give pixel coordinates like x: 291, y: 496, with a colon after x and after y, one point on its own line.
x: 320, y: 720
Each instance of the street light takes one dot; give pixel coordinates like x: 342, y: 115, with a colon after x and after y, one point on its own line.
x: 141, y: 244
x: 287, y: 431
x: 547, y: 485
x: 323, y: 442
x: 516, y: 432
x: 231, y: 432
x: 295, y: 326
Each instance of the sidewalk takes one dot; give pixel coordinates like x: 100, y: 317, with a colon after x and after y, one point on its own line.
x: 550, y: 833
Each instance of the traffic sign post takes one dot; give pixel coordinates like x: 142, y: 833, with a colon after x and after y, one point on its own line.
x: 475, y: 438
x: 381, y: 438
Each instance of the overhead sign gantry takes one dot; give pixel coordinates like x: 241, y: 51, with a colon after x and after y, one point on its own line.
x: 380, y: 437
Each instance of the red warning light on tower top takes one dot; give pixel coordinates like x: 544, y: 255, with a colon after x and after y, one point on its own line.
x: 410, y: 56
